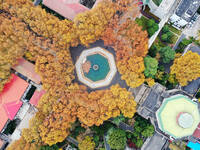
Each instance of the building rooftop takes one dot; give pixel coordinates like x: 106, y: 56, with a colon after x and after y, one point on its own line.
x: 196, y: 133
x: 27, y: 69
x: 187, y: 8
x: 36, y: 97
x: 157, y: 142
x: 151, y: 101
x: 67, y: 8
x: 10, y: 102
x: 178, y: 116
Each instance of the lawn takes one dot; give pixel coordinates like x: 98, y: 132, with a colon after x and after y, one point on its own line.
x: 171, y: 28
x: 174, y: 39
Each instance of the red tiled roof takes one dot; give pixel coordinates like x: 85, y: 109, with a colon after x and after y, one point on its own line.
x: 12, y: 109
x: 10, y: 99
x: 27, y: 69
x: 197, y: 132
x: 68, y: 9
x: 36, y: 97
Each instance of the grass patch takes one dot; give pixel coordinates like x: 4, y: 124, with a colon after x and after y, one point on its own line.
x: 171, y: 28
x: 174, y: 39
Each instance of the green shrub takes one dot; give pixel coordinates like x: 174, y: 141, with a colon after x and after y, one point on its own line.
x: 167, y: 54
x: 164, y: 37
x: 118, y: 119
x: 183, y: 44
x: 147, y: 24
x: 116, y: 138
x: 139, y: 143
x: 46, y: 147
x: 165, y: 29
x: 153, y: 50
x: 151, y: 66
x: 152, y: 27
x: 148, y: 131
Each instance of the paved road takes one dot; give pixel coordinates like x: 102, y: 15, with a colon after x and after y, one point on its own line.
x: 179, y: 40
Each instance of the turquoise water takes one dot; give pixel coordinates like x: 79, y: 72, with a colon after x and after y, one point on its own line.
x: 194, y: 146
x: 103, y: 67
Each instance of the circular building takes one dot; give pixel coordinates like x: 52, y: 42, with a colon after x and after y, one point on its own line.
x: 96, y: 67
x: 178, y: 116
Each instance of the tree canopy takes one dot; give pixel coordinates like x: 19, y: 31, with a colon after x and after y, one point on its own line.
x: 44, y: 39
x: 186, y: 68
x: 167, y: 54
x: 151, y: 66
x: 116, y: 138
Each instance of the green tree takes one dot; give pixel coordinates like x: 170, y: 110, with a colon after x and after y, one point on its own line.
x: 167, y: 54
x: 118, y: 119
x: 152, y: 27
x: 139, y: 142
x: 165, y: 29
x: 148, y: 131
x: 153, y: 50
x: 150, y: 23
x: 167, y: 36
x: 164, y: 37
x: 116, y: 138
x: 151, y: 66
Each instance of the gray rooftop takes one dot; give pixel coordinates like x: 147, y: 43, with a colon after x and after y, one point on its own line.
x: 187, y: 8
x: 151, y: 101
x: 157, y: 142
x: 192, y: 87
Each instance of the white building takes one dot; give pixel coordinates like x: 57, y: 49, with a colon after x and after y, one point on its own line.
x: 185, y: 13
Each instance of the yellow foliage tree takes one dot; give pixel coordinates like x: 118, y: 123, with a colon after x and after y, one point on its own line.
x: 101, y: 105
x: 13, y: 41
x: 131, y: 70
x: 87, y: 144
x: 22, y: 144
x: 62, y: 32
x: 186, y: 68
x: 91, y: 24
x: 150, y: 82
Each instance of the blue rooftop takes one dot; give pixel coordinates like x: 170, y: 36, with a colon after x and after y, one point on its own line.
x: 194, y: 146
